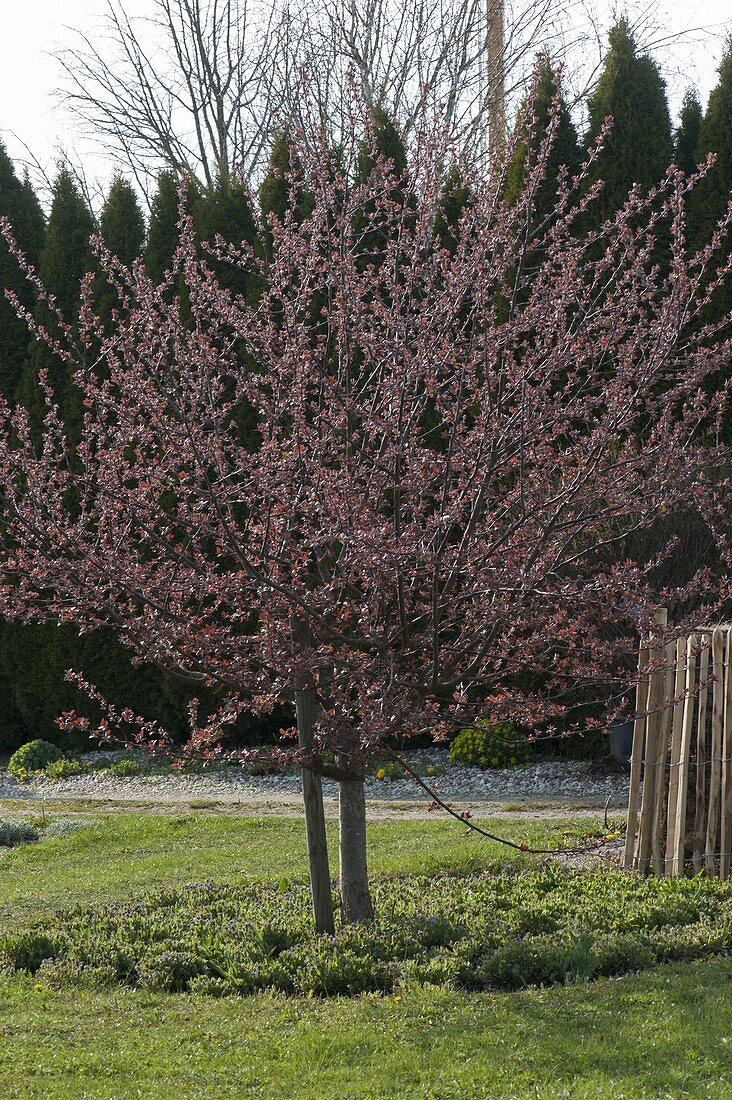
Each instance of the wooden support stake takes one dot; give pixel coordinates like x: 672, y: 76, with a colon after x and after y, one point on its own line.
x: 682, y: 786
x: 636, y: 758
x: 725, y: 831
x: 654, y: 732
x: 675, y: 761
x: 701, y: 760
x: 715, y: 759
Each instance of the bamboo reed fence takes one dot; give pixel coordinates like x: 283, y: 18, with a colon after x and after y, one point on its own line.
x: 680, y: 803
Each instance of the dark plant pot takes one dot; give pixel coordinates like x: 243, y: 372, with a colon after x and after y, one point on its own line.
x: 620, y: 736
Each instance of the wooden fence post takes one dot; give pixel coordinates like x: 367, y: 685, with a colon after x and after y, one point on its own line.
x: 725, y: 831
x: 636, y: 757
x: 701, y: 759
x: 679, y: 833
x: 715, y: 760
x: 655, y: 724
x: 660, y: 820
x: 680, y: 678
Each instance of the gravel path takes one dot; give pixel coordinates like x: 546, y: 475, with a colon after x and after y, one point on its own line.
x: 557, y: 781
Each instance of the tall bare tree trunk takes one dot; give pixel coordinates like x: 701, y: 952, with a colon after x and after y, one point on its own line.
x: 496, y: 83
x: 354, y: 879
x: 312, y: 796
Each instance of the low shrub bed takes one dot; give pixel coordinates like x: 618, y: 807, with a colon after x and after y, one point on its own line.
x: 506, y: 930
x: 64, y: 768
x: 14, y: 832
x: 40, y: 759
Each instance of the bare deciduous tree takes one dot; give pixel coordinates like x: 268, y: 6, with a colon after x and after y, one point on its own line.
x: 200, y: 84
x: 459, y: 57
x: 188, y: 88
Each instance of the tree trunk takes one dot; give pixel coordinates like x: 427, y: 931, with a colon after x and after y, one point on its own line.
x: 496, y: 64
x: 312, y: 796
x: 355, y: 894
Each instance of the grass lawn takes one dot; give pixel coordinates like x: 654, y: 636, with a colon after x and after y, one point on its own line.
x: 663, y: 1033
x: 124, y: 853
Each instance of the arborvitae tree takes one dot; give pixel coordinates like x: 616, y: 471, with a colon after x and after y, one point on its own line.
x: 273, y: 191
x: 533, y: 121
x: 455, y: 197
x: 386, y: 142
x: 565, y: 150
x: 19, y: 203
x: 226, y: 210
x: 715, y: 136
x: 639, y: 147
x: 711, y: 198
x: 162, y: 232
x: 122, y: 225
x: 122, y: 228
x: 65, y: 258
x: 686, y: 138
x: 31, y: 221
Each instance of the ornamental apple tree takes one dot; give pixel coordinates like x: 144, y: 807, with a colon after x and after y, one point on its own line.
x: 454, y: 445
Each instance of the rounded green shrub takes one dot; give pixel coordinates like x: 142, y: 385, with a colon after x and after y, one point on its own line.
x: 169, y: 971
x: 489, y: 745
x: 62, y: 972
x: 34, y: 756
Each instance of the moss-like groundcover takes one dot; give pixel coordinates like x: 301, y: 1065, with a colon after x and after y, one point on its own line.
x: 502, y: 929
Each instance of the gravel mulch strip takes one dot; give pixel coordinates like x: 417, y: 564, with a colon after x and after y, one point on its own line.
x: 549, y: 781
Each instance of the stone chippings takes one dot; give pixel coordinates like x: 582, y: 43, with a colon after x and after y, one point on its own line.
x: 566, y: 781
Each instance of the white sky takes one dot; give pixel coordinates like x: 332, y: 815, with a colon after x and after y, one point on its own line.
x: 33, y: 29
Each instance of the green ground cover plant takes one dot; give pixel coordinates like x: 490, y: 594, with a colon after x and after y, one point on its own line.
x: 125, y: 768
x: 14, y: 832
x: 503, y: 930
x: 43, y: 759
x: 391, y: 769
x: 63, y: 768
